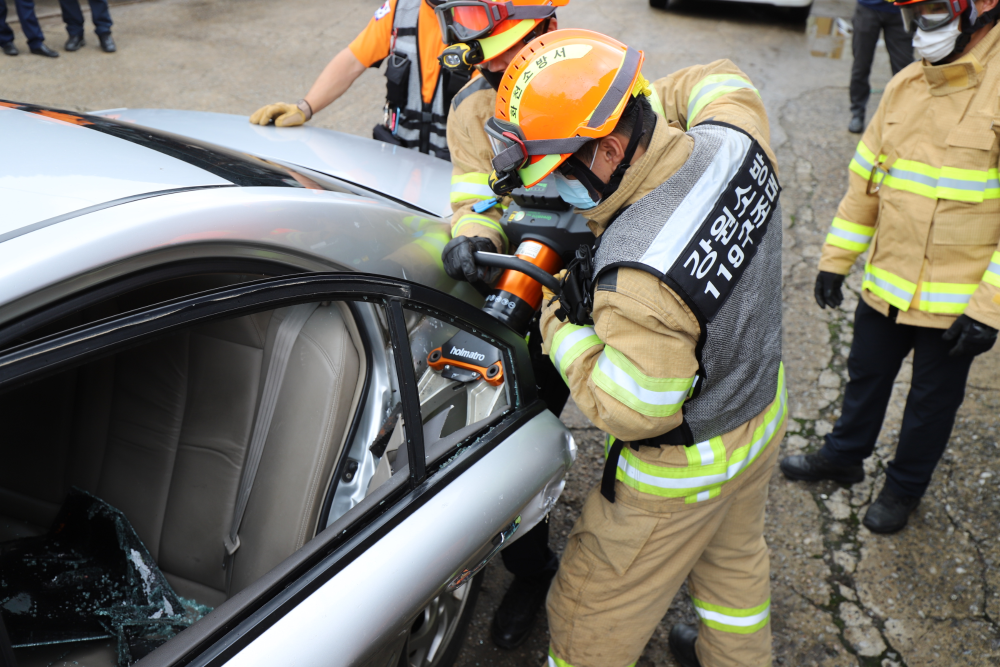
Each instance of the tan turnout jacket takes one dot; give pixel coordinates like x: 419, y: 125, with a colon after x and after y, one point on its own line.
x: 648, y: 328
x: 471, y: 159
x: 932, y: 221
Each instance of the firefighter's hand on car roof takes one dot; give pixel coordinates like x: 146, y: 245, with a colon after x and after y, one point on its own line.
x: 828, y: 289
x: 460, y: 263
x: 548, y: 295
x: 973, y: 337
x: 283, y: 115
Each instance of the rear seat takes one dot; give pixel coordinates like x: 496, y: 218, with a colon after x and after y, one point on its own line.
x: 161, y: 432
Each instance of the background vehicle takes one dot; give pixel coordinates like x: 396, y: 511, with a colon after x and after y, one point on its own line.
x: 180, y: 335
x: 797, y: 10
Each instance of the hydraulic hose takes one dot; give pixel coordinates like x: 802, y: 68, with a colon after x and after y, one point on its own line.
x: 499, y: 261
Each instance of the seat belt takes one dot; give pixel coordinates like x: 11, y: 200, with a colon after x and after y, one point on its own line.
x: 284, y: 340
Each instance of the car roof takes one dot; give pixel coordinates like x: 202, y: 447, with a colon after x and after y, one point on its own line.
x: 400, y: 173
x: 63, y: 165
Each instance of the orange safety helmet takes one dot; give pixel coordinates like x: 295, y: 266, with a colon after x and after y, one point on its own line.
x: 563, y: 90
x: 483, y: 29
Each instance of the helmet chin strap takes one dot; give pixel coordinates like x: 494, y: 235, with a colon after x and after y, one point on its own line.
x: 599, y: 189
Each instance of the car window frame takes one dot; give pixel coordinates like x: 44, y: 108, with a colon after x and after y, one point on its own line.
x: 246, y: 615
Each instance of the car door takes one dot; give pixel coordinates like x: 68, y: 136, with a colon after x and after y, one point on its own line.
x: 456, y: 491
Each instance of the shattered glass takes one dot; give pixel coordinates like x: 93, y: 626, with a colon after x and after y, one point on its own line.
x: 89, y: 577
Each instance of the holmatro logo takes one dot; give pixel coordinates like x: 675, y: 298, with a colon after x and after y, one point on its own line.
x: 468, y: 354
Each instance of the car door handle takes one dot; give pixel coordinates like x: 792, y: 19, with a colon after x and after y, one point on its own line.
x: 502, y: 538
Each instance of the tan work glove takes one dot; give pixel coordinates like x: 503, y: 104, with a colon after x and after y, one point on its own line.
x: 283, y: 115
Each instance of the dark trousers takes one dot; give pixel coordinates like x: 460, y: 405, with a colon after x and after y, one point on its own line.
x: 530, y: 556
x: 868, y: 23
x: 72, y: 16
x: 936, y: 392
x: 29, y: 23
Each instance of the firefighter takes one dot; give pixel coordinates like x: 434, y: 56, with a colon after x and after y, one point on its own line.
x: 681, y: 363
x: 924, y: 200
x: 489, y: 46
x: 406, y: 34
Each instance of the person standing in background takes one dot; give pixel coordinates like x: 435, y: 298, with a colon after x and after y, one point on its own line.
x: 870, y: 18
x: 72, y: 16
x: 29, y: 24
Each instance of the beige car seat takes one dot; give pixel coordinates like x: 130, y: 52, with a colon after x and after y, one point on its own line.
x: 162, y: 431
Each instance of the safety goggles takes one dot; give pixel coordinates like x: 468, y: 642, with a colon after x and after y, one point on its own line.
x: 464, y: 20
x: 933, y: 15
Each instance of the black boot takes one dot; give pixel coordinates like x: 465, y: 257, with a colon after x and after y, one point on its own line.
x: 682, y: 639
x: 75, y: 42
x: 9, y: 48
x: 107, y: 42
x: 857, y: 124
x: 43, y: 50
x: 514, y: 617
x: 889, y: 513
x: 815, y: 467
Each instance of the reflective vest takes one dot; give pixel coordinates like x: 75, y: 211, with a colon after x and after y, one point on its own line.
x: 712, y: 233
x: 412, y: 122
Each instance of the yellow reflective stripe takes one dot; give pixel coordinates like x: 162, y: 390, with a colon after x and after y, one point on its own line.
x: 992, y: 275
x: 649, y: 396
x: 559, y: 662
x: 698, y: 483
x: 654, y: 101
x: 711, y: 88
x: 850, y: 235
x: 731, y: 619
x: 472, y: 218
x: 470, y: 186
x: 947, y: 298
x: 569, y: 343
x: 953, y: 183
x: 897, y: 291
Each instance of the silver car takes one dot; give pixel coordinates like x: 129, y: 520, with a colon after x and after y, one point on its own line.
x: 230, y: 336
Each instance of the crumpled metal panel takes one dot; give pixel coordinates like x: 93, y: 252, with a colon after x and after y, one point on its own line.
x: 89, y: 577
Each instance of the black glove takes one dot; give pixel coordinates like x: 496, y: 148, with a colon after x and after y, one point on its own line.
x: 459, y: 261
x: 575, y: 299
x: 828, y: 291
x: 973, y: 337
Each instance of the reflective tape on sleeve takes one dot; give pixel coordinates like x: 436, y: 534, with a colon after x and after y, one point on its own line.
x: 649, y: 396
x: 733, y: 619
x: 472, y: 218
x: 863, y: 161
x: 849, y: 235
x: 897, y: 291
x: 992, y: 275
x: 473, y: 185
x: 569, y: 343
x: 711, y: 88
x: 946, y: 298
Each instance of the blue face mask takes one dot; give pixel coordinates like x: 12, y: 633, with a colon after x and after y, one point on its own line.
x: 573, y: 192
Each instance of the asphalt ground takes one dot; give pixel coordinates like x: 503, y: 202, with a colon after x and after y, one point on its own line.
x: 929, y: 596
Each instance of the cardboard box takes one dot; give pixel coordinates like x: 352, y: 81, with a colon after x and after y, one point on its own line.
x: 828, y: 36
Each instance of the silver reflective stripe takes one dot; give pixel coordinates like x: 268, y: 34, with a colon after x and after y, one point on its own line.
x: 689, y: 215
x: 569, y: 341
x: 707, y: 455
x: 929, y: 181
x: 737, y: 621
x: 888, y: 287
x: 628, y: 383
x: 860, y: 159
x: 473, y: 189
x: 994, y: 268
x: 943, y: 297
x: 957, y: 184
x: 850, y: 236
x: 288, y: 332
